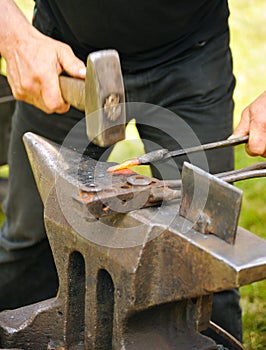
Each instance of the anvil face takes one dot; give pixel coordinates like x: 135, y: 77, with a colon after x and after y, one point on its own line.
x: 136, y: 281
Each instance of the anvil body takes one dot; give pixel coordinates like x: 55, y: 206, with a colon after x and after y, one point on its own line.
x: 142, y: 280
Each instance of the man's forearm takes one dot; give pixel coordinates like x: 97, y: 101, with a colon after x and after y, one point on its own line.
x: 14, y: 25
x: 34, y: 61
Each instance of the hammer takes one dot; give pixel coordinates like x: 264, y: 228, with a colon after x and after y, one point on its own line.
x: 101, y: 96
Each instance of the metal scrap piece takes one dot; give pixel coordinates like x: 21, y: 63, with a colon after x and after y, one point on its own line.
x: 210, y: 203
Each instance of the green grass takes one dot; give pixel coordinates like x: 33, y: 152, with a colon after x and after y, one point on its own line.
x: 253, y: 218
x: 254, y: 315
x: 248, y: 42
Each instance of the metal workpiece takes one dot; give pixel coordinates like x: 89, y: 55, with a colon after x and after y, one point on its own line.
x: 162, y: 154
x: 137, y: 281
x: 210, y: 203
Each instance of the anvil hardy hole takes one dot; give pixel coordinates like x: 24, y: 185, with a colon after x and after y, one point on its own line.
x: 76, y: 299
x: 105, y: 310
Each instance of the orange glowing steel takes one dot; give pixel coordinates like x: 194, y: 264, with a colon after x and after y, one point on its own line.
x: 124, y: 165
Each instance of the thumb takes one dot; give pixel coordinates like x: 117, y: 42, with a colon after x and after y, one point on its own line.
x: 70, y: 63
x: 242, y: 128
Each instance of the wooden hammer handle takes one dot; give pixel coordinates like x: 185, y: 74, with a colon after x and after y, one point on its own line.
x: 73, y: 91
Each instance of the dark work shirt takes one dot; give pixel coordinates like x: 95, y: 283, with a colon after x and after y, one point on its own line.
x: 145, y: 32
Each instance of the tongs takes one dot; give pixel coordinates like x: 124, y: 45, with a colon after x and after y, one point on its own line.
x: 164, y: 153
x: 249, y: 172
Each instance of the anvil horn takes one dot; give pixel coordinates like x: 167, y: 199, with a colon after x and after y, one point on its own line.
x: 46, y: 161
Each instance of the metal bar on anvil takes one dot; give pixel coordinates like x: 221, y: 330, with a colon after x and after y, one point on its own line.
x: 134, y: 193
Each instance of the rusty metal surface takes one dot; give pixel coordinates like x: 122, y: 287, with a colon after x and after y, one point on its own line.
x: 122, y: 197
x: 141, y: 280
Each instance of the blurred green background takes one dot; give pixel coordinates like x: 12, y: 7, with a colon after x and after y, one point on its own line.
x: 248, y: 43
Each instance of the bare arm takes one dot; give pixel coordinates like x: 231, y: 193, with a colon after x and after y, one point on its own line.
x: 253, y: 123
x: 34, y: 61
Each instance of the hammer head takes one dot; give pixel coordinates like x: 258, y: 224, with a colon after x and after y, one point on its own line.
x: 104, y: 98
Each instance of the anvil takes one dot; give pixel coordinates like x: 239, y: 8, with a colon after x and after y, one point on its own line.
x: 141, y: 280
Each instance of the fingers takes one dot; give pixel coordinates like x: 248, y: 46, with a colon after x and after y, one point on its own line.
x: 257, y: 134
x: 42, y: 93
x: 243, y: 127
x: 38, y: 91
x: 33, y: 72
x: 253, y: 123
x: 70, y: 63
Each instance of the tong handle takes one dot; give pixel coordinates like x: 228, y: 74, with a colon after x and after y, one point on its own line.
x: 207, y: 146
x: 249, y: 172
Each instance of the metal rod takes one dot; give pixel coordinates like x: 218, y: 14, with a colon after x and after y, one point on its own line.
x: 257, y: 166
x: 244, y: 175
x: 208, y: 146
x: 6, y: 99
x: 163, y: 153
x: 249, y: 172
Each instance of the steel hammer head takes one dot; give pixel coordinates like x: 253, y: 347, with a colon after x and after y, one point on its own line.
x: 104, y: 98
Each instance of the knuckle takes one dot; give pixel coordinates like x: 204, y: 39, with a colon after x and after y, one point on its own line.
x: 28, y: 86
x: 25, y: 85
x: 66, y: 48
x: 54, y: 105
x: 63, y: 109
x: 19, y: 93
x: 257, y: 149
